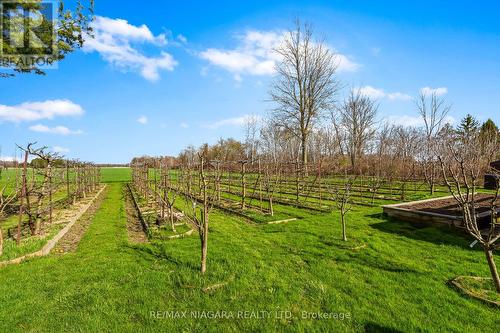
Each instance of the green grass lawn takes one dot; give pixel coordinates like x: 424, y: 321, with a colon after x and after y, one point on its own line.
x: 112, y: 175
x: 389, y: 276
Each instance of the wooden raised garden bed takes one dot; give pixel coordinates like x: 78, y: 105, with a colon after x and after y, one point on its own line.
x: 439, y: 211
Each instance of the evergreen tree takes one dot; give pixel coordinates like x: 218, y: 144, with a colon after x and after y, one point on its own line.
x: 467, y: 126
x: 489, y: 129
x: 489, y: 137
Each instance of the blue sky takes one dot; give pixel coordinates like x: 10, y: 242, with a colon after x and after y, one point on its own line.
x: 160, y: 77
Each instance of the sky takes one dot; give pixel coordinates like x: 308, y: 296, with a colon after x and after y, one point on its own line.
x: 158, y: 77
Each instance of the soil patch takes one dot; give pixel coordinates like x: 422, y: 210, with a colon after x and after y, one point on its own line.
x: 69, y: 242
x: 449, y: 206
x: 135, y: 229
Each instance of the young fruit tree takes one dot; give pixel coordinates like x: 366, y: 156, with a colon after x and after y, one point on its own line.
x: 342, y: 195
x: 6, y: 198
x: 42, y: 190
x: 463, y: 163
x: 167, y: 193
x: 201, y: 205
x: 272, y: 180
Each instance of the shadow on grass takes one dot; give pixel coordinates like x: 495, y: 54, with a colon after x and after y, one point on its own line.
x: 359, y: 251
x: 422, y: 232
x: 376, y: 328
x: 379, y: 264
x: 150, y: 252
x: 352, y: 244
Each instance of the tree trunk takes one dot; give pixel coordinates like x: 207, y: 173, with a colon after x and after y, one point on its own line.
x: 68, y: 193
x: 344, y: 236
x: 271, y: 206
x: 218, y: 189
x: 204, y: 226
x: 204, y: 241
x: 171, y: 212
x: 38, y: 216
x: 50, y: 194
x: 1, y: 242
x: 243, y: 186
x: 162, y: 210
x: 22, y: 197
x: 430, y: 178
x: 304, y: 153
x: 493, y: 268
x: 353, y: 160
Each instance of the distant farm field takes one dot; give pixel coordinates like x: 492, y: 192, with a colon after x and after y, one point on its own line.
x: 120, y: 174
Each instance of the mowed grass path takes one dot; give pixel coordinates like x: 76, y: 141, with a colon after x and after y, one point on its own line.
x: 397, y: 282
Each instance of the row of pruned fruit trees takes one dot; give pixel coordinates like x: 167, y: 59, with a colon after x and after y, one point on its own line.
x: 198, y: 184
x: 258, y: 185
x: 38, y: 184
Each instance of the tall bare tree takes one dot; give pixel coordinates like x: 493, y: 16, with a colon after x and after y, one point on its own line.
x: 433, y: 110
x: 251, y: 139
x: 406, y: 142
x: 357, y: 117
x: 305, y: 85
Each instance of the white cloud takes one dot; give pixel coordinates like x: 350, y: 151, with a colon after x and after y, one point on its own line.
x: 413, y: 121
x: 237, y: 121
x: 142, y: 120
x: 121, y: 28
x: 438, y: 91
x: 346, y: 65
x: 254, y: 55
x: 33, y: 111
x: 184, y: 125
x: 181, y: 38
x: 380, y: 93
x: 113, y: 40
x: 60, y: 130
x: 59, y: 149
x: 404, y: 120
x: 371, y: 92
x: 399, y: 96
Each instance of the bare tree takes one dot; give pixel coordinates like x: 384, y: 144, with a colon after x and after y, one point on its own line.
x: 43, y: 190
x: 272, y: 179
x: 166, y: 193
x: 251, y: 140
x: 6, y: 198
x: 305, y: 85
x: 406, y: 143
x: 462, y: 165
x: 433, y: 111
x: 357, y: 117
x: 342, y: 195
x: 199, y: 214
